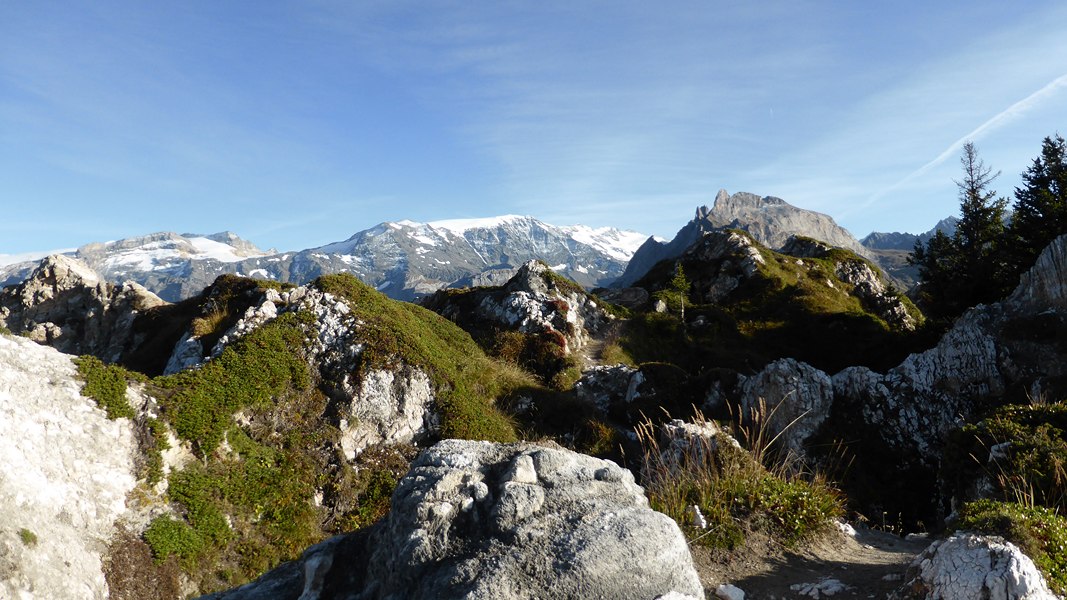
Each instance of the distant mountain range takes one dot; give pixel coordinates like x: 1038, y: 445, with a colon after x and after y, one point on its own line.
x: 891, y: 250
x: 404, y: 259
x: 906, y: 241
x: 407, y: 260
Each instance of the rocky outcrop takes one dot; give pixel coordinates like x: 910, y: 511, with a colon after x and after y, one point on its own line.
x: 790, y: 398
x: 866, y: 282
x: 966, y: 566
x: 65, y: 471
x: 66, y: 305
x: 907, y: 413
x: 868, y: 286
x: 771, y: 221
x: 607, y: 386
x: 534, y: 301
x: 733, y: 258
x: 479, y: 520
x: 388, y: 407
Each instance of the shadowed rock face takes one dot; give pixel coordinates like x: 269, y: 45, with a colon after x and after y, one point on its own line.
x: 65, y: 304
x: 1013, y: 346
x: 477, y: 520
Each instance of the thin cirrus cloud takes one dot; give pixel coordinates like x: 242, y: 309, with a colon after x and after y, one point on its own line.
x: 1001, y: 119
x: 884, y: 164
x: 295, y: 121
x: 603, y: 106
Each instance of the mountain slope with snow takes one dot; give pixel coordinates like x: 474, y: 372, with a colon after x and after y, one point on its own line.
x: 403, y: 259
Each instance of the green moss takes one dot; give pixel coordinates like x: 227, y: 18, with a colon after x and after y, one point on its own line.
x: 1040, y: 532
x: 4, y: 330
x: 466, y: 381
x: 375, y: 489
x: 168, y: 537
x: 28, y: 537
x: 106, y: 385
x: 156, y: 443
x: 267, y: 362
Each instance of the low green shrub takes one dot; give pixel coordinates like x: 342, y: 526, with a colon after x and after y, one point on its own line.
x: 106, y: 385
x: 27, y: 537
x: 154, y: 445
x: 167, y: 536
x: 1040, y: 532
x: 200, y: 403
x: 1030, y: 462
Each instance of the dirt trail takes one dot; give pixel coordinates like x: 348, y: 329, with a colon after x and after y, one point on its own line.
x: 870, y: 566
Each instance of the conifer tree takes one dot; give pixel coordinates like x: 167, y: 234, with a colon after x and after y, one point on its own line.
x: 960, y: 271
x: 680, y: 286
x: 1040, y: 209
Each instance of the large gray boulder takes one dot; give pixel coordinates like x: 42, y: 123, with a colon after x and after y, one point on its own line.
x: 790, y: 398
x: 477, y: 520
x: 480, y: 520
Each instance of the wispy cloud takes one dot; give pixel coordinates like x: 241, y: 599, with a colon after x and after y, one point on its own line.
x: 1001, y: 119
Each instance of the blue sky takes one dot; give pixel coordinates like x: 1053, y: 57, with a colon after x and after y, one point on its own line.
x: 295, y: 124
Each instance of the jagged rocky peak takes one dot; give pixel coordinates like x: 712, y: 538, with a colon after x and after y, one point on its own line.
x: 770, y: 220
x: 66, y: 304
x: 536, y: 300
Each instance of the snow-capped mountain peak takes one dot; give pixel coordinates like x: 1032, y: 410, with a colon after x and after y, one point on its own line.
x: 461, y: 226
x: 405, y: 259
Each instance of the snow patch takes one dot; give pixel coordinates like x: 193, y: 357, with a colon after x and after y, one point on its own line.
x: 616, y: 243
x: 461, y: 226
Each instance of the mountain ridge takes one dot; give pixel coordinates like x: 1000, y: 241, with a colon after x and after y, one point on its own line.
x: 404, y: 259
x: 770, y: 220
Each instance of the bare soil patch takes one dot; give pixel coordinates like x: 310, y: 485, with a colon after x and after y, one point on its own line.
x: 871, y: 565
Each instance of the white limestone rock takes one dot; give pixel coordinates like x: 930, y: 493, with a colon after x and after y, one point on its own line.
x: 531, y: 303
x: 867, y: 285
x: 65, y: 471
x: 967, y: 566
x: 796, y: 397
x: 390, y: 407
